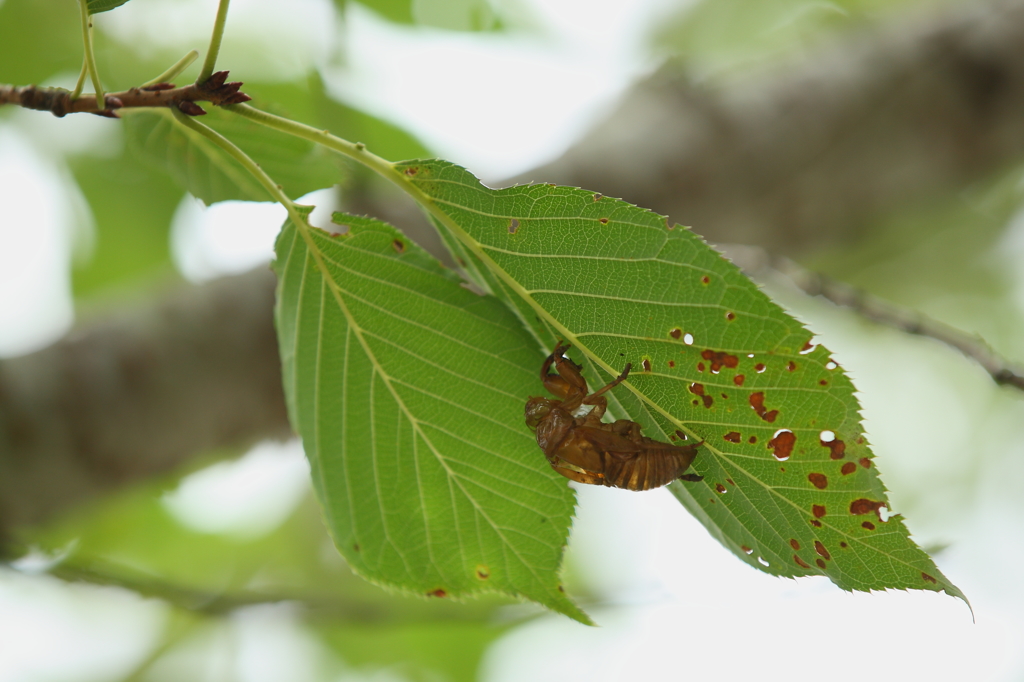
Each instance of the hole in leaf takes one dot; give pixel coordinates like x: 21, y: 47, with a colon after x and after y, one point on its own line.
x: 761, y: 560
x: 830, y: 365
x: 807, y: 347
x: 688, y: 339
x: 597, y: 197
x: 826, y: 436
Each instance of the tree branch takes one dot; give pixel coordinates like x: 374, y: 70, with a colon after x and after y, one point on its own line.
x: 137, y: 394
x: 806, y: 154
x: 60, y: 103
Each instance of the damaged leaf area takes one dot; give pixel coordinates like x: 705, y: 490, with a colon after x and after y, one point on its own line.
x: 408, y: 392
x: 788, y: 481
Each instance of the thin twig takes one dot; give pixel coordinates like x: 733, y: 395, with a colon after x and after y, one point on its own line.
x: 90, y: 59
x: 173, y: 72
x: 211, y: 603
x: 215, y: 38
x: 757, y: 263
x: 59, y: 102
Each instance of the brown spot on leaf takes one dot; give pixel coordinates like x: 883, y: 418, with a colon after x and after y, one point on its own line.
x: 757, y: 402
x: 820, y: 549
x: 647, y: 365
x: 720, y: 488
x: 782, y: 444
x: 483, y: 572
x: 760, y: 367
x: 732, y: 437
x: 719, y: 360
x: 739, y: 379
x: 437, y: 593
x: 807, y: 347
x: 837, y: 448
x: 860, y: 440
x: 791, y: 365
x: 848, y: 468
x: 698, y: 390
x: 411, y: 171
x: 843, y: 545
x: 603, y: 221
x: 597, y: 197
x: 355, y: 547
x: 700, y: 366
x: 705, y: 280
x: 746, y: 549
x: 821, y: 564
x: 671, y: 363
x: 818, y: 510
x: 864, y: 506
x: 752, y: 440
x: 868, y: 525
x: 794, y: 544
x: 398, y: 245
x: 513, y: 226
x: 820, y: 481
x: 800, y: 562
x: 929, y: 578
x: 730, y: 316
x: 865, y: 462
x: 681, y: 434
x: 816, y: 523
x: 676, y: 333
x: 823, y: 382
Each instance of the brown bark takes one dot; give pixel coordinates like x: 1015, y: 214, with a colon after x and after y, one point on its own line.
x: 137, y: 394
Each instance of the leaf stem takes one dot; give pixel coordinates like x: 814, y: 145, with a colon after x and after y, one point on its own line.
x: 218, y: 33
x: 174, y: 71
x: 90, y: 59
x: 251, y: 166
x: 81, y: 81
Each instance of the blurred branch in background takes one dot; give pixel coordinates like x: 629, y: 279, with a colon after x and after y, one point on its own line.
x: 138, y: 393
x: 759, y: 265
x: 799, y: 159
x: 804, y: 156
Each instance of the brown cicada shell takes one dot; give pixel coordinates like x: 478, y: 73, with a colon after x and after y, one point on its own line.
x: 587, y: 450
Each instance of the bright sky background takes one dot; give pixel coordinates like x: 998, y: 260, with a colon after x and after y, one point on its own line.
x: 681, y: 605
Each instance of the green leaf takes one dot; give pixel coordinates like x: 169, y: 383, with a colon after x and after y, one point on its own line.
x: 790, y: 485
x: 210, y: 174
x: 38, y: 39
x: 97, y: 6
x: 132, y: 205
x: 408, y: 392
